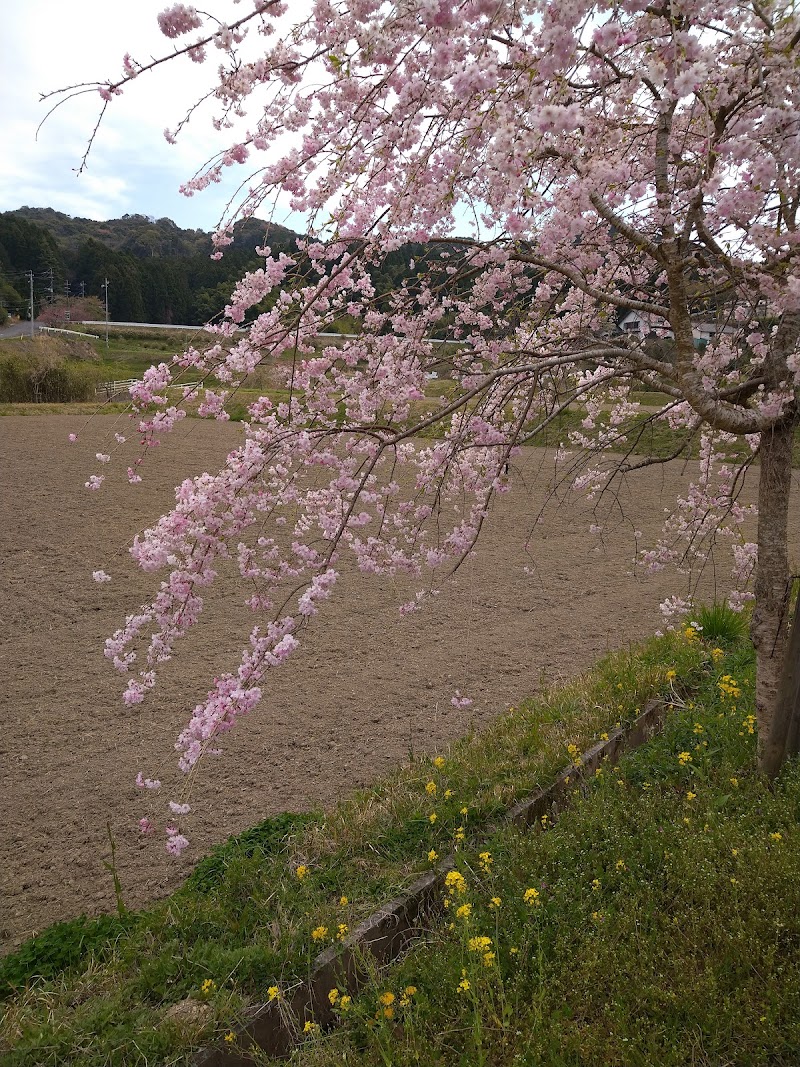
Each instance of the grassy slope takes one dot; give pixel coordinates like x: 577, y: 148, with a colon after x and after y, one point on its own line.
x: 589, y: 962
x: 665, y: 930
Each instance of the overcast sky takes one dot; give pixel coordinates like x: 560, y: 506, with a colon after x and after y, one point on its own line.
x: 49, y: 44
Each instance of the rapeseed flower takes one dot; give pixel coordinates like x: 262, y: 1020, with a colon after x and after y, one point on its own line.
x: 479, y: 944
x: 455, y: 883
x: 531, y: 896
x: 319, y: 933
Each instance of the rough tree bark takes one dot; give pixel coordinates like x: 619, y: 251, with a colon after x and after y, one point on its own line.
x: 769, y: 631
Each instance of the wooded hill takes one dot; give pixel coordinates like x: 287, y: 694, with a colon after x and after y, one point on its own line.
x: 157, y: 272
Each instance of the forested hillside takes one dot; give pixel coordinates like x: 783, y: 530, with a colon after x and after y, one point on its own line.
x: 156, y: 271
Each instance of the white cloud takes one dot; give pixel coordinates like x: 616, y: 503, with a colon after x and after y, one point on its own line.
x: 46, y: 44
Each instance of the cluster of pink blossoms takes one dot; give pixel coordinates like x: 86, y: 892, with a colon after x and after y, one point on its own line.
x: 559, y: 169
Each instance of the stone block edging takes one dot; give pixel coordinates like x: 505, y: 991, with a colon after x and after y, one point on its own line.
x: 383, y: 936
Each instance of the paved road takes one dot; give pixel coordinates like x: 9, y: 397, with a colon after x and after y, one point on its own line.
x: 19, y: 329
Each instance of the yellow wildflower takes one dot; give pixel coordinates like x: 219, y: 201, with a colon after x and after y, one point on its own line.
x: 333, y: 996
x: 386, y: 998
x: 345, y: 1002
x: 463, y: 911
x: 301, y: 871
x: 604, y: 736
x: 459, y: 834
x: 691, y: 796
x: 531, y: 896
x: 698, y: 728
x: 448, y: 793
x: 341, y: 932
x: 430, y: 789
x: 410, y: 990
x: 620, y: 865
x: 776, y: 836
x: 273, y: 993
x: 311, y: 1028
x: 439, y: 762
x: 455, y: 883
x: 464, y: 986
x: 717, y: 654
x: 671, y: 675
x: 597, y: 916
x: 432, y: 817
x: 486, y: 860
x: 595, y: 885
x: 433, y: 855
x: 207, y: 986
x: 479, y: 944
x: 230, y: 1037
x: 319, y: 932
x: 388, y: 1013
x: 495, y: 903
x: 684, y: 758
x: 463, y: 811
x: 343, y: 901
x: 735, y: 782
x: 488, y: 959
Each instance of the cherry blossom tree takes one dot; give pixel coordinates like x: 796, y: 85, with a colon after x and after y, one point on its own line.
x: 567, y: 167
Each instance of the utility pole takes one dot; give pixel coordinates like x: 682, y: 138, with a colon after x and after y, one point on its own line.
x: 66, y: 290
x: 30, y: 278
x: 83, y: 290
x: 50, y: 287
x: 105, y: 287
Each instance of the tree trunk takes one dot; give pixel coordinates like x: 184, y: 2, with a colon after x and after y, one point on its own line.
x: 784, y: 735
x: 769, y: 631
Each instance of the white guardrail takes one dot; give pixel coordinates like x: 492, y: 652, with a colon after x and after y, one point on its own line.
x: 112, y: 389
x: 69, y: 333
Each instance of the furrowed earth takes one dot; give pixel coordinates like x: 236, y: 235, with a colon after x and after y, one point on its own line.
x: 537, y: 604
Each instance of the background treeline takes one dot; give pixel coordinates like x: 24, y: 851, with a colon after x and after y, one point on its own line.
x: 156, y: 271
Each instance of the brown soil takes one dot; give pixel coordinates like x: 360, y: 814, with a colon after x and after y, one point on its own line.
x: 367, y: 688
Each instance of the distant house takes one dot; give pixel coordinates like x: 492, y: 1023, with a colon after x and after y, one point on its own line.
x: 644, y: 325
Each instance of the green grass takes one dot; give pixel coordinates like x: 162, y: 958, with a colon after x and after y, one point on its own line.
x: 130, y: 352
x: 244, y: 919
x: 664, y: 929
